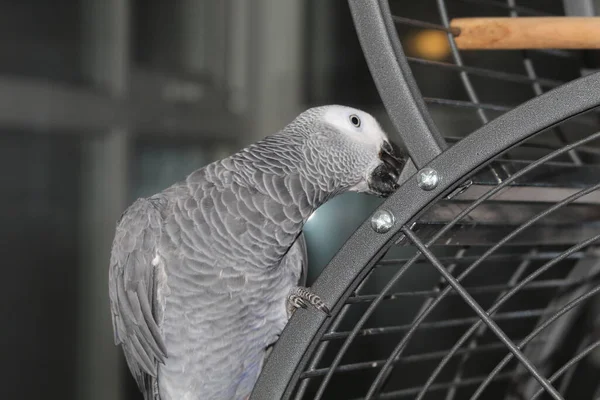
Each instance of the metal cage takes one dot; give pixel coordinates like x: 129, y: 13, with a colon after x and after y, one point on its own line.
x: 485, y: 284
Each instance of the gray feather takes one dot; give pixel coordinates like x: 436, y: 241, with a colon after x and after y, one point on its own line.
x: 131, y: 281
x: 200, y: 273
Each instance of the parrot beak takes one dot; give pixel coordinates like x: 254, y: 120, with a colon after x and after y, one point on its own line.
x: 384, y: 178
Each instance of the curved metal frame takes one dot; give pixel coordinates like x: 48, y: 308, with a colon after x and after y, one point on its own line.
x: 402, y: 97
x: 360, y: 252
x: 394, y: 80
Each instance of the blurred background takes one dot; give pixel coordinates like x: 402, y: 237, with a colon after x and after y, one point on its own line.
x: 105, y: 101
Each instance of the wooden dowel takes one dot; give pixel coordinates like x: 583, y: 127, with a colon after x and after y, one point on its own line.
x: 527, y: 33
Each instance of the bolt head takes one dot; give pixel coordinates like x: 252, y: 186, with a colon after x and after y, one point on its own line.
x: 382, y: 221
x: 428, y: 178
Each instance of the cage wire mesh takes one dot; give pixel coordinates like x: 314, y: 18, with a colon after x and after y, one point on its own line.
x: 489, y: 290
x: 545, y: 272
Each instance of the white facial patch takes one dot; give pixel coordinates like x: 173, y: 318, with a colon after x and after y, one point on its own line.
x: 369, y: 131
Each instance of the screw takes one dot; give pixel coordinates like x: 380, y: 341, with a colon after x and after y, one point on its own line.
x: 428, y: 179
x: 382, y: 221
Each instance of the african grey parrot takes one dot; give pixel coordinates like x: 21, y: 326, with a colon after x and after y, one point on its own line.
x: 204, y: 275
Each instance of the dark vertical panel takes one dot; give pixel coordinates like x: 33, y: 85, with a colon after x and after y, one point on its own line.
x: 348, y: 78
x: 41, y: 39
x: 38, y: 236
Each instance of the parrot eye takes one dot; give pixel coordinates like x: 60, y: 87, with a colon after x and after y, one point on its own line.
x: 354, y: 120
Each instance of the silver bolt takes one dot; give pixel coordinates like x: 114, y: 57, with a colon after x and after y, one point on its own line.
x: 382, y: 221
x: 428, y: 179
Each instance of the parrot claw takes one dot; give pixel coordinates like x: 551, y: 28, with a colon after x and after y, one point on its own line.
x: 302, y: 303
x: 301, y: 297
x: 324, y: 308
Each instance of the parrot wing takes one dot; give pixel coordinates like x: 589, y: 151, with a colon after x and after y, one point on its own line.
x: 134, y: 277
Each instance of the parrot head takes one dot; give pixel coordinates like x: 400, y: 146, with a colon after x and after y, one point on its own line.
x: 349, y: 145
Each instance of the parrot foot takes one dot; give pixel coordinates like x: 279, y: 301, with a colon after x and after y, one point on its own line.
x: 302, y: 297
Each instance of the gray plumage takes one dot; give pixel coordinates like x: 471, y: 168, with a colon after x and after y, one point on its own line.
x: 200, y: 273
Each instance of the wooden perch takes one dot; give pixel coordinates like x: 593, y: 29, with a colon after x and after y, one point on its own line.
x: 527, y: 33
